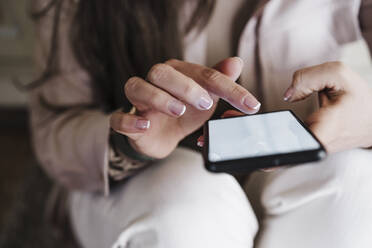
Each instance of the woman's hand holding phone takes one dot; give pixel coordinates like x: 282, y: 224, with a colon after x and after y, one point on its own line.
x: 175, y: 99
x: 344, y: 118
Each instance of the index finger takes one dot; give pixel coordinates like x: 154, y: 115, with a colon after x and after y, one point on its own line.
x: 219, y: 84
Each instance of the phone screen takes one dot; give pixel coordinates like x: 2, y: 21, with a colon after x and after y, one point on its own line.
x: 258, y: 135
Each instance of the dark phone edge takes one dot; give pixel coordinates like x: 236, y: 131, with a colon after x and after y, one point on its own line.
x: 262, y: 162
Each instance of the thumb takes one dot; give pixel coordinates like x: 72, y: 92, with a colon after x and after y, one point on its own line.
x: 232, y: 67
x: 328, y: 76
x: 319, y: 126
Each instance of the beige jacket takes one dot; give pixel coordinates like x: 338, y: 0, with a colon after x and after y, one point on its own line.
x: 73, y: 146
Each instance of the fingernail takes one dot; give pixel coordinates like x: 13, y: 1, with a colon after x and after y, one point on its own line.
x: 200, y: 143
x: 205, y: 103
x: 288, y: 94
x: 252, y: 103
x: 142, y: 124
x: 240, y: 61
x: 176, y: 107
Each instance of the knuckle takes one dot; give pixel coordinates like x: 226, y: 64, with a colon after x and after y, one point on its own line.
x: 132, y: 87
x: 156, y: 98
x: 131, y: 84
x: 157, y: 72
x: 190, y: 90
x: 211, y: 75
x: 237, y: 92
x: 297, y: 77
x: 171, y: 61
x: 337, y: 66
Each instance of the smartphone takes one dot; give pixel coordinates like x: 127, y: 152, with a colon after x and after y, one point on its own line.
x: 246, y: 143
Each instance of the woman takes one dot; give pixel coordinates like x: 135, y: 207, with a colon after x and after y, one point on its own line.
x: 107, y: 57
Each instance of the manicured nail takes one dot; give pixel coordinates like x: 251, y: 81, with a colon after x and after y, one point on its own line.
x: 142, y: 124
x: 252, y: 103
x: 177, y: 108
x: 288, y: 94
x: 240, y: 61
x: 205, y: 103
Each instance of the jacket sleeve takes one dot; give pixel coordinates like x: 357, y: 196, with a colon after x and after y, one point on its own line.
x: 365, y: 18
x: 71, y: 145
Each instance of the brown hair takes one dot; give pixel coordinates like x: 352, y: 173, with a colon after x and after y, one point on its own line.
x: 116, y: 39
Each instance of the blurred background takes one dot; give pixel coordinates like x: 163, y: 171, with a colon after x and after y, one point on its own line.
x: 24, y: 188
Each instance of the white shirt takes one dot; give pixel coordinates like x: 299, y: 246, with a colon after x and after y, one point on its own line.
x: 219, y: 30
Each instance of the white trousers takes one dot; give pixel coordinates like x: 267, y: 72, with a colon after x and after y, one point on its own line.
x: 177, y: 203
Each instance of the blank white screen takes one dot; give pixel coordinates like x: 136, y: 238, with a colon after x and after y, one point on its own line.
x: 257, y: 135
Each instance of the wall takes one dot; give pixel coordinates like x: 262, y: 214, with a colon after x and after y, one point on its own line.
x: 16, y: 47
